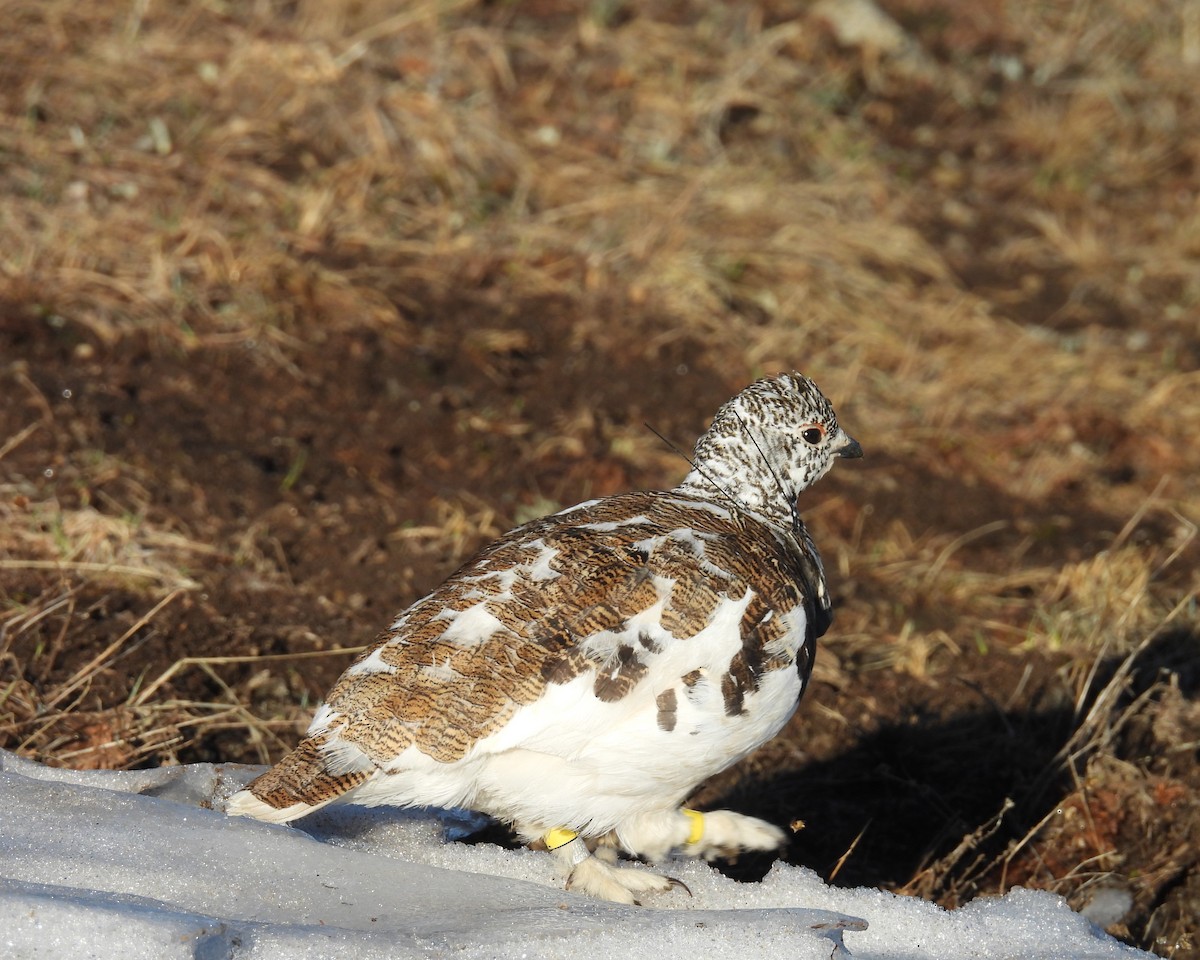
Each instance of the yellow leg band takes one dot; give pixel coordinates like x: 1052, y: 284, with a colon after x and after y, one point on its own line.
x: 558, y: 837
x: 697, y: 819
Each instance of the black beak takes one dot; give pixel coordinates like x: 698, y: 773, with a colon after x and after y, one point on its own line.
x: 850, y: 450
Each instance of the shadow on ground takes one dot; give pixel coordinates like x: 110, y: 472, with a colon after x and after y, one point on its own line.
x: 954, y: 805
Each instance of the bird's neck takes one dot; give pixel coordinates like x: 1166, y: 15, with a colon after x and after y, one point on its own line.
x: 734, y: 487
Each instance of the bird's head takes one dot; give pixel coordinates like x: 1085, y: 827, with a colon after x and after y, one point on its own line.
x: 773, y: 440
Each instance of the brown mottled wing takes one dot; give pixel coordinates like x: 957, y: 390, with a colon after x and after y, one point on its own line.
x: 551, y: 602
x: 610, y: 560
x: 442, y: 695
x: 419, y: 686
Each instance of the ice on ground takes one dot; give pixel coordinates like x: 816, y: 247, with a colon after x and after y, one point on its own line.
x: 138, y: 864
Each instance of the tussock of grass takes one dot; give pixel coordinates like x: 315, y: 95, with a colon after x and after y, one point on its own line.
x: 455, y: 531
x: 85, y: 541
x: 55, y: 723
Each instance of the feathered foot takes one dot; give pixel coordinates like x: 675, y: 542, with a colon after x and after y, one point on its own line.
x: 599, y: 876
x: 719, y: 833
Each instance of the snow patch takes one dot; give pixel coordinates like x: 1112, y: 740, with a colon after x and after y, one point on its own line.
x: 140, y: 864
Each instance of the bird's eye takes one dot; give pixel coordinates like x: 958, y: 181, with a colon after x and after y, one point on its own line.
x: 813, y: 435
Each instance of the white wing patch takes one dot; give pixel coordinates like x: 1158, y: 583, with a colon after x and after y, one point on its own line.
x: 540, y: 569
x: 322, y: 720
x: 342, y: 757
x: 471, y: 626
x: 372, y: 663
x: 608, y: 526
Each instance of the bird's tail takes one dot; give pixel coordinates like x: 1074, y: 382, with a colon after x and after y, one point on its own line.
x: 297, y: 785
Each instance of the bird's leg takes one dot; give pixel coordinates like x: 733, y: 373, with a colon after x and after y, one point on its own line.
x: 589, y: 874
x: 718, y: 833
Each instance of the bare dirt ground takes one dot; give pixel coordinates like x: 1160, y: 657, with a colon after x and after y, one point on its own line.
x: 301, y: 303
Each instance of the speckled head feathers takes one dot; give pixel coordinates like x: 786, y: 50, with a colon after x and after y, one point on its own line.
x: 767, y: 444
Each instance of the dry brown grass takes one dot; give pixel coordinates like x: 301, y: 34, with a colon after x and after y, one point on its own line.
x: 57, y: 723
x: 986, y: 251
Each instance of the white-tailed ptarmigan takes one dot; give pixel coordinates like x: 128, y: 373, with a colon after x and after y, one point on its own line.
x: 581, y: 676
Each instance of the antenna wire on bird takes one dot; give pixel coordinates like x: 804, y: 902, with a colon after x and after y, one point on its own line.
x: 738, y: 507
x: 790, y: 501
